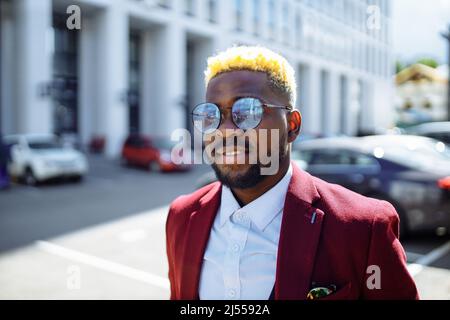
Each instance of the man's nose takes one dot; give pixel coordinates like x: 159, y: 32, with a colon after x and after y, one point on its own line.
x: 227, y: 126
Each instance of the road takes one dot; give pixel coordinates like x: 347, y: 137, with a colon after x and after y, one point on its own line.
x: 104, y: 238
x: 108, y: 192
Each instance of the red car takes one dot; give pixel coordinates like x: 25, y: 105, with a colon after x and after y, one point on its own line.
x: 151, y: 153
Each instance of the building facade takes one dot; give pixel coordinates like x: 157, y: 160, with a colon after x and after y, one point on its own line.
x: 137, y: 65
x: 421, y: 94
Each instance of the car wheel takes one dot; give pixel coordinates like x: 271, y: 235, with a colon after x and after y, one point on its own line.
x: 154, y: 166
x: 29, y: 177
x: 77, y: 179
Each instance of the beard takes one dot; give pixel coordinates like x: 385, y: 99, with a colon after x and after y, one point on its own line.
x: 245, y: 180
x: 252, y: 176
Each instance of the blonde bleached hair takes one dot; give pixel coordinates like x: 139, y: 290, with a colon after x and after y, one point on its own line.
x: 255, y: 58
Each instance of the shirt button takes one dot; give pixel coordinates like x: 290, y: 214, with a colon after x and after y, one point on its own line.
x: 236, y: 247
x: 231, y: 293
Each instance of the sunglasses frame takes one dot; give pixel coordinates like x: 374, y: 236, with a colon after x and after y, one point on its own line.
x: 263, y: 104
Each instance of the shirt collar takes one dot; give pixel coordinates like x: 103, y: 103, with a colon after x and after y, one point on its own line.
x: 261, y: 210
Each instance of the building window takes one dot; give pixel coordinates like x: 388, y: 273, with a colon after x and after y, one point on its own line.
x: 285, y: 28
x: 65, y: 77
x: 238, y: 14
x: 212, y: 11
x: 189, y: 7
x: 428, y: 105
x: 272, y: 18
x: 164, y: 3
x: 134, y: 82
x: 298, y: 29
x: 256, y: 16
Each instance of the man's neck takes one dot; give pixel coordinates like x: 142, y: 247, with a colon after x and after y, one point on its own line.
x: 245, y: 196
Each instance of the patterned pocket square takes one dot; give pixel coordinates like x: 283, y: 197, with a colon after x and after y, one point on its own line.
x: 320, y: 292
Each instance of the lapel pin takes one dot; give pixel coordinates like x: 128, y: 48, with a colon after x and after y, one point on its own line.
x: 313, y: 218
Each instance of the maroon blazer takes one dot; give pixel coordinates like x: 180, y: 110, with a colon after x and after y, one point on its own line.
x: 329, y: 236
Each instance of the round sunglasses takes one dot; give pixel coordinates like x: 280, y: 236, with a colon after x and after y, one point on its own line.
x: 246, y: 113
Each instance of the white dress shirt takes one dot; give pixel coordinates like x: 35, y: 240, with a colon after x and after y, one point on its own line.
x: 241, y: 256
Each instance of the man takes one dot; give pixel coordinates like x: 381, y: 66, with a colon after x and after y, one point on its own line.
x: 286, y: 235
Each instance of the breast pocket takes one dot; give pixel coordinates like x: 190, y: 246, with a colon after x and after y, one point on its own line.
x: 341, y: 294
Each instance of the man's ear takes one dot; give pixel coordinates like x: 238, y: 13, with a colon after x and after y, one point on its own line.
x: 294, y: 120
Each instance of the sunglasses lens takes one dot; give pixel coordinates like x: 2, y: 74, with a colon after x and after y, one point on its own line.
x: 247, y: 113
x: 206, y: 117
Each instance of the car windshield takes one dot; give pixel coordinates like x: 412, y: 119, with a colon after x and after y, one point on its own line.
x: 420, y: 155
x: 44, y: 144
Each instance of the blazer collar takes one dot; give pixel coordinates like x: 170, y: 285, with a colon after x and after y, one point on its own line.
x: 299, y: 237
x: 198, y: 230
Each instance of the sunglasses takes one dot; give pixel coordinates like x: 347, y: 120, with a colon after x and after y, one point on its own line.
x: 246, y: 113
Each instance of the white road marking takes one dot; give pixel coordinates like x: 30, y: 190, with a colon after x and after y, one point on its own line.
x: 103, y: 264
x: 416, y: 267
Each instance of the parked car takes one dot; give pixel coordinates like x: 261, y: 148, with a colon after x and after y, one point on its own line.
x: 436, y: 130
x: 39, y: 157
x: 152, y: 153
x: 411, y: 172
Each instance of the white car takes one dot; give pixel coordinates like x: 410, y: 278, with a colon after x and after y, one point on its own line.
x: 38, y: 157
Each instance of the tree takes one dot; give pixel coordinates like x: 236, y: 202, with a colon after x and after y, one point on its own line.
x: 428, y: 62
x: 399, y: 66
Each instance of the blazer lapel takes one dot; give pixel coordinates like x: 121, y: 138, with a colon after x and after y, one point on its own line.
x: 197, y: 235
x: 299, y: 238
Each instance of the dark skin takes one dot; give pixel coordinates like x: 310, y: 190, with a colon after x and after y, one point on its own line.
x: 224, y: 90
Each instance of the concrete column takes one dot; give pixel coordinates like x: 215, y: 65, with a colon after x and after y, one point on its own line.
x: 113, y: 76
x: 308, y: 98
x: 334, y: 109
x: 324, y: 101
x: 173, y: 81
x: 147, y: 91
x: 164, y: 83
x: 344, y: 99
x: 366, y: 96
x: 33, y: 65
x: 354, y: 106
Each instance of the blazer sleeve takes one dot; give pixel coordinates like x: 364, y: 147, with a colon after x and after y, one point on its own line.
x: 170, y: 256
x: 386, y: 274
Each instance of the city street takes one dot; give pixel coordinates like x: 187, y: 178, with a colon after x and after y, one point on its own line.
x: 103, y: 238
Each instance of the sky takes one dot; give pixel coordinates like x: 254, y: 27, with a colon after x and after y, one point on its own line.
x: 416, y: 29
